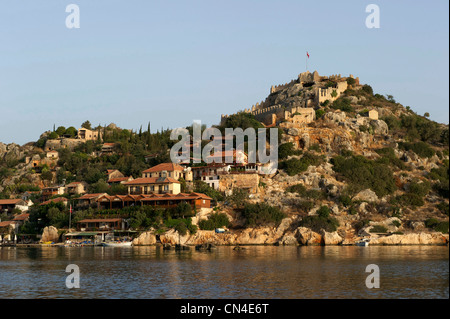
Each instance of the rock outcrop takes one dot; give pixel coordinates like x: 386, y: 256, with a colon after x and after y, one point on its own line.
x: 411, y: 239
x: 145, y: 239
x: 50, y: 234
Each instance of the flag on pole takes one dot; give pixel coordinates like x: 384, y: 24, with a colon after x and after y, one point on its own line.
x: 70, y: 210
x: 307, y: 54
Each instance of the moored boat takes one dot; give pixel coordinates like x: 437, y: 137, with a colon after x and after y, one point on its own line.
x: 363, y: 242
x: 117, y: 244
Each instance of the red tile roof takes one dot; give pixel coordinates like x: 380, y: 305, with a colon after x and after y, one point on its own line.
x: 7, y: 223
x: 118, y: 179
x: 170, y: 167
x: 90, y: 196
x: 54, y: 200
x: 180, y: 196
x: 21, y: 216
x: 152, y: 180
x: 9, y: 201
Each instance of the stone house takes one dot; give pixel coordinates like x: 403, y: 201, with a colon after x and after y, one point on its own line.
x: 88, y: 135
x: 76, y: 188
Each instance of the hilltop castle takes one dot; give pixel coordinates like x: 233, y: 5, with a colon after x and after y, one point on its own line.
x: 297, y: 100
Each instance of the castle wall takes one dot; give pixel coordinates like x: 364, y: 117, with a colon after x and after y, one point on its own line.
x: 323, y: 94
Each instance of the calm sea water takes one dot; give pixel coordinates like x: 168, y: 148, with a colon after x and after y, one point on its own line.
x: 256, y: 272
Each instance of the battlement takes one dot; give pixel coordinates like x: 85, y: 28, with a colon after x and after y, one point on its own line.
x: 316, y: 89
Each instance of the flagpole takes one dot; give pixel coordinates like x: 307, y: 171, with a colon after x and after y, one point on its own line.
x: 70, y: 216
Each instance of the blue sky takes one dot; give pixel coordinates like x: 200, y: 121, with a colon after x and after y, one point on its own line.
x: 172, y: 62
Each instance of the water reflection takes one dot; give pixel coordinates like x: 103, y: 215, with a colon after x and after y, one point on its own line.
x: 256, y: 272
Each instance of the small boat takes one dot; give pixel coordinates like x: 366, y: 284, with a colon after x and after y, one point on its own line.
x: 363, y: 242
x: 117, y: 244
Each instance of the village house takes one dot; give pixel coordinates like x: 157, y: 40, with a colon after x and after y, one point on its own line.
x: 88, y: 135
x: 9, y: 205
x: 108, y: 148
x: 48, y: 192
x: 7, y: 230
x: 160, y: 179
x: 114, y: 173
x: 210, y: 173
x: 196, y: 200
x: 103, y: 224
x: 172, y: 170
x: 26, y: 196
x: 116, y: 177
x: 21, y: 218
x: 76, y: 188
x: 229, y: 157
x: 120, y: 180
x: 88, y: 199
x: 153, y: 185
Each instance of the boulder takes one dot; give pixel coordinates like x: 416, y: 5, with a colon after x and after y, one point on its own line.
x: 145, y: 239
x: 306, y: 236
x: 331, y: 238
x: 379, y: 127
x: 366, y: 195
x: 50, y: 233
x: 173, y: 238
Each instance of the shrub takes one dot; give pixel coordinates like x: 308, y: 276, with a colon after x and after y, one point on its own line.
x: 442, y: 227
x: 378, y: 229
x: 295, y: 166
x: 261, y: 214
x: 323, y: 212
x: 367, y: 89
x: 420, y: 148
x: 437, y: 225
x: 202, y: 187
x: 351, y: 81
x: 361, y: 224
x: 420, y: 189
x: 214, y: 221
x: 363, y: 128
x: 431, y: 222
x: 304, y: 205
x: 315, y: 147
x: 303, y: 192
x: 343, y: 104
x: 364, y: 173
x: 410, y: 199
x: 388, y: 157
x: 319, y: 112
x: 443, y: 208
x: 317, y: 223
x: 287, y: 149
x: 345, y: 200
x: 392, y: 122
x: 396, y: 223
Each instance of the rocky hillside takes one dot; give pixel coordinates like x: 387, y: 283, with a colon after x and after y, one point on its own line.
x: 341, y: 177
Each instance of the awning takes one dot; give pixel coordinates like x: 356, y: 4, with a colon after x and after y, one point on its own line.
x: 82, y: 234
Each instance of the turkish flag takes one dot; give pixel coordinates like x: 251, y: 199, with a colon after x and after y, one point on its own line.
x: 307, y: 54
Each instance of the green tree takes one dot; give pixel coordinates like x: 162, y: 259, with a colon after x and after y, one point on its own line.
x: 60, y: 130
x: 86, y: 125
